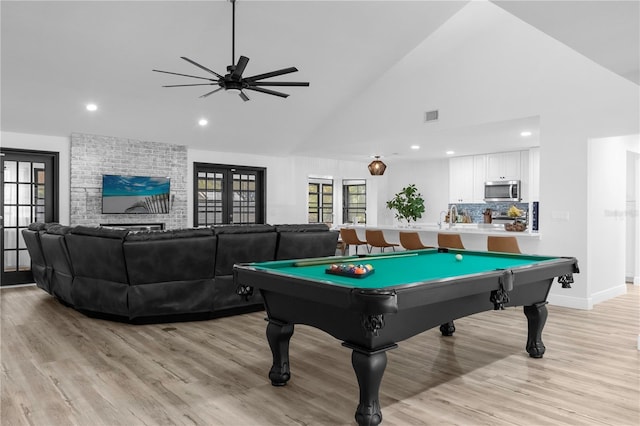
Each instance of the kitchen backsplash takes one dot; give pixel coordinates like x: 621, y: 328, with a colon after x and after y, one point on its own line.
x: 475, y: 211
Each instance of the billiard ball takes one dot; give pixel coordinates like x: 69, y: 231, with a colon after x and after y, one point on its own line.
x: 458, y: 257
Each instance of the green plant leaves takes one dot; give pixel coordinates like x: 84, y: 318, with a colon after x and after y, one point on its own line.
x: 408, y: 204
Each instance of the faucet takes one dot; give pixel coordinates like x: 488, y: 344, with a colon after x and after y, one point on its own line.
x: 452, y: 218
x: 440, y: 219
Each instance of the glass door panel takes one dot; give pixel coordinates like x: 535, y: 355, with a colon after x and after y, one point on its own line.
x: 27, y: 196
x: 228, y: 194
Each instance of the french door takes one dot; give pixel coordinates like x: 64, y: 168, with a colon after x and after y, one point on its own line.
x: 228, y: 194
x: 28, y: 194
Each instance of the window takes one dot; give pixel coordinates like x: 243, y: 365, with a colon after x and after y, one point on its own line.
x: 228, y: 194
x: 321, y: 201
x: 354, y: 201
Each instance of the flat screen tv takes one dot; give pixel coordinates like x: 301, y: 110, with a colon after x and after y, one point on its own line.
x: 135, y: 194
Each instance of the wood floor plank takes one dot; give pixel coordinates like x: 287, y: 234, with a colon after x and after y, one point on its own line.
x: 59, y: 367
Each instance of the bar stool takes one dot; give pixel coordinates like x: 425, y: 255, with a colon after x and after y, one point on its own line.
x: 342, y: 246
x: 411, y: 241
x: 375, y: 238
x: 503, y: 244
x: 450, y: 241
x: 350, y: 238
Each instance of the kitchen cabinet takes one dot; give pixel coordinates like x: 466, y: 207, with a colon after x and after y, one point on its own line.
x: 461, y: 179
x: 466, y: 179
x: 503, y: 166
x: 479, y: 177
x: 534, y: 174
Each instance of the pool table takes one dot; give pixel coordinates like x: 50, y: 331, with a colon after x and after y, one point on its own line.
x: 406, y: 294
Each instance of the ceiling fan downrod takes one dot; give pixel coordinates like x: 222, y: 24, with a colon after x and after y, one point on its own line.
x: 233, y: 32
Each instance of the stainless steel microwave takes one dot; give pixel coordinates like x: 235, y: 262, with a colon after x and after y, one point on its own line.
x: 503, y: 190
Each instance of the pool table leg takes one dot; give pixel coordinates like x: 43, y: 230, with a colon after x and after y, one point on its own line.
x: 536, y: 317
x: 279, y: 334
x: 369, y: 368
x: 448, y: 328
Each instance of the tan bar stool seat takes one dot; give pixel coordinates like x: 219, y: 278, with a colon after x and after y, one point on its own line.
x: 375, y: 238
x: 411, y: 241
x: 450, y: 241
x: 503, y: 244
x: 349, y: 237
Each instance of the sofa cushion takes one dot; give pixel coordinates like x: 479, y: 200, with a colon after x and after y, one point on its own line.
x: 163, y: 256
x: 242, y: 229
x: 99, y: 231
x: 100, y: 283
x: 235, y: 246
x: 170, y: 234
x: 36, y: 226
x: 306, y: 244
x: 39, y: 268
x: 305, y: 227
x: 55, y: 250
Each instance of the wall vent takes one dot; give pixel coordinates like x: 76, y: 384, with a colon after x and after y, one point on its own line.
x: 430, y: 116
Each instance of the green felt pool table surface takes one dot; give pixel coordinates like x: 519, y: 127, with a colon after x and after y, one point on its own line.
x: 404, y: 268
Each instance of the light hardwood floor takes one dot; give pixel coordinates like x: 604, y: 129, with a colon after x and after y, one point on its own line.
x: 62, y: 368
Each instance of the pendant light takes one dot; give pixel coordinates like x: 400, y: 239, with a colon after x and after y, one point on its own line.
x: 377, y: 167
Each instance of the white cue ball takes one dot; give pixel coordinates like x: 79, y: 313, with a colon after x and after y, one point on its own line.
x: 458, y: 257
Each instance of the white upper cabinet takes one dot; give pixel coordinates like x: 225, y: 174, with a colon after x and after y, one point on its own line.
x: 479, y: 176
x: 461, y: 180
x: 503, y: 166
x: 534, y: 174
x: 468, y: 174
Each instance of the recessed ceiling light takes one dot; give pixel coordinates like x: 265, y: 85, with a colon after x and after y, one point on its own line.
x: 415, y: 147
x: 450, y: 152
x: 203, y: 122
x: 92, y: 107
x: 525, y: 133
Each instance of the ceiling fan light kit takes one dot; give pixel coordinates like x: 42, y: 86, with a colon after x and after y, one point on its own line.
x: 233, y: 82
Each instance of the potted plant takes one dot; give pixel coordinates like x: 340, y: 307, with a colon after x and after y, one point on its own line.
x: 408, y: 204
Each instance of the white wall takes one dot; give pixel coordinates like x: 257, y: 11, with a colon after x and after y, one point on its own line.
x: 287, y: 177
x: 431, y: 179
x: 633, y: 218
x: 61, y: 145
x: 632, y: 213
x: 606, y: 217
x: 481, y: 81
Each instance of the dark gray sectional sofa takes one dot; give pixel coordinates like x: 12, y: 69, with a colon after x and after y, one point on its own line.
x: 157, y: 276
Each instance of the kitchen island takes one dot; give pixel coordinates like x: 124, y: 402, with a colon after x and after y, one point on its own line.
x: 474, y: 235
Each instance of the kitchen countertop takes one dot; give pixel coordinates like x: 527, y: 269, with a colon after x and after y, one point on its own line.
x: 458, y: 228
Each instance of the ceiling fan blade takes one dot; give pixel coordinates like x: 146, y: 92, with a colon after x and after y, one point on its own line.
x: 211, y: 93
x: 242, y: 64
x: 184, y: 85
x: 272, y: 74
x: 185, y: 75
x: 278, y: 83
x: 267, y: 91
x: 244, y: 96
x: 201, y: 66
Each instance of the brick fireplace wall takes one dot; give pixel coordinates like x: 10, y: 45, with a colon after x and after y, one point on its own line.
x: 93, y: 156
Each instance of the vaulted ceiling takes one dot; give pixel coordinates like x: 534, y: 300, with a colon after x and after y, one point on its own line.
x: 58, y: 56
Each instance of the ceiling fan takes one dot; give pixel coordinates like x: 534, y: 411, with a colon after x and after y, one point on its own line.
x: 233, y: 80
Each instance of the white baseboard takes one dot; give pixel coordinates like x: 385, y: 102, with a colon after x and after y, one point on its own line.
x: 609, y: 293
x: 588, y: 302
x: 570, y: 301
x: 7, y: 287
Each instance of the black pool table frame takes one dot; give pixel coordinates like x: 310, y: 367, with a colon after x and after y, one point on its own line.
x: 371, y: 322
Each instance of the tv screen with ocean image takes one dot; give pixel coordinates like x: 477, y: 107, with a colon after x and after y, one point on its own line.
x: 135, y: 194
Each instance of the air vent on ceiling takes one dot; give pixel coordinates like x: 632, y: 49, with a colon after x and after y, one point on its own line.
x: 430, y: 116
